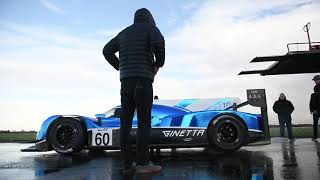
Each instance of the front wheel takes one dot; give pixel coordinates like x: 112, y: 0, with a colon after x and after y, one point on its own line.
x: 67, y: 136
x: 227, y: 133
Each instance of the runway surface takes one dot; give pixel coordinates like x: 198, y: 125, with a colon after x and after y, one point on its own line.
x: 279, y: 160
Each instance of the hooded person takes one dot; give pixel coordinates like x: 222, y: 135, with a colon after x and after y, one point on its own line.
x: 314, y: 106
x: 141, y: 48
x: 284, y: 108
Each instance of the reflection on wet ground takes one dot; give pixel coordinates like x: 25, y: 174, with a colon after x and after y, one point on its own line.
x: 290, y: 168
x: 280, y: 160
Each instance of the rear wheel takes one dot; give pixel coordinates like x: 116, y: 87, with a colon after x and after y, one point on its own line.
x: 227, y: 133
x: 67, y: 136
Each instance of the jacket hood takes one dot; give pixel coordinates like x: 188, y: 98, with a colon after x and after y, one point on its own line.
x: 317, y: 88
x: 144, y: 15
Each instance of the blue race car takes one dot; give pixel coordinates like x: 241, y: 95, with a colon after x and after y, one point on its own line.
x: 173, y: 126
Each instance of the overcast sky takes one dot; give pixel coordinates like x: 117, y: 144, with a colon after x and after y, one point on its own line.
x: 51, y: 58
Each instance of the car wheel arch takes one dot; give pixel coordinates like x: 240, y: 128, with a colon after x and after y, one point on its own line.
x: 75, y: 118
x: 228, y: 114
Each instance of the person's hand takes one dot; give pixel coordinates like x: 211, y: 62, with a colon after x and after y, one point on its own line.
x: 315, y: 112
x: 156, y: 69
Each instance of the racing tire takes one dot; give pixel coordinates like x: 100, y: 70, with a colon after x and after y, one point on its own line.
x: 227, y: 133
x: 67, y: 136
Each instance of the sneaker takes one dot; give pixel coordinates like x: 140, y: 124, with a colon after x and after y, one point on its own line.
x: 148, y: 169
x: 291, y: 140
x: 314, y: 139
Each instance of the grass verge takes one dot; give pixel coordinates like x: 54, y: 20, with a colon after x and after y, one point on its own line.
x: 17, y: 137
x: 298, y: 132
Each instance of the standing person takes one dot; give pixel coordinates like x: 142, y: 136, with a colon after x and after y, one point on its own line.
x: 137, y: 44
x: 284, y: 108
x: 315, y: 106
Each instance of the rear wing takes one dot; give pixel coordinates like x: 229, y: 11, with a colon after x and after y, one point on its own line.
x: 257, y: 98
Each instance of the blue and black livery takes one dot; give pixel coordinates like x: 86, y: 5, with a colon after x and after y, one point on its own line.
x: 172, y: 127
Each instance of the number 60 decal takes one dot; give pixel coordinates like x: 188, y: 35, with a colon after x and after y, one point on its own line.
x: 102, y: 139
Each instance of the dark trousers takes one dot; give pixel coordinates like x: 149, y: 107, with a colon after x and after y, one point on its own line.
x: 285, y: 122
x: 315, y: 125
x: 136, y: 93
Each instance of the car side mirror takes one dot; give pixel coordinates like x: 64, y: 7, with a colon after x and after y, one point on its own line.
x: 100, y: 115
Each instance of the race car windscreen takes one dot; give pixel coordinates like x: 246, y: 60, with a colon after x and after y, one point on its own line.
x: 114, y: 112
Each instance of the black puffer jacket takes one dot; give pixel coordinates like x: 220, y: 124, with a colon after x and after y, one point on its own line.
x: 137, y: 46
x: 315, y: 100
x: 283, y: 108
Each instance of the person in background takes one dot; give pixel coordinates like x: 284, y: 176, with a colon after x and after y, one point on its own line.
x: 141, y: 48
x: 315, y: 106
x: 284, y: 108
x: 156, y: 97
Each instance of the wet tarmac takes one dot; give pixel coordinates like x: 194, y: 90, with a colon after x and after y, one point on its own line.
x: 280, y: 160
